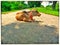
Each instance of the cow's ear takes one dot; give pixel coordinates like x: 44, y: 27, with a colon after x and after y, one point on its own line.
x: 24, y: 12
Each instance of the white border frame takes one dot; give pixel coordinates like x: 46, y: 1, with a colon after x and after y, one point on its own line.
x: 0, y: 22
x: 29, y: 0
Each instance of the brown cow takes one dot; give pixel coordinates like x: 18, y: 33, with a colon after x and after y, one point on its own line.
x: 27, y: 16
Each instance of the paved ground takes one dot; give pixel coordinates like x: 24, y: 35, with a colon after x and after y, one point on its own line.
x: 45, y: 31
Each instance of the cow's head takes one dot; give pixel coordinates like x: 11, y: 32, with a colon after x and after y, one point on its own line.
x: 35, y: 13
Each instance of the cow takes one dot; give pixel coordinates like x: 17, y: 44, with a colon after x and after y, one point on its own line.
x: 27, y: 16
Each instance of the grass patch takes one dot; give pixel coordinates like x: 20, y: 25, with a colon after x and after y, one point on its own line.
x: 5, y: 12
x: 47, y: 11
x: 8, y: 11
x: 40, y: 9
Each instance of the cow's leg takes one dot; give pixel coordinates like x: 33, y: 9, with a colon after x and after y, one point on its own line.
x: 25, y: 19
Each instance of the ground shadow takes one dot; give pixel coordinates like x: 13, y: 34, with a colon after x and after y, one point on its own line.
x: 29, y: 32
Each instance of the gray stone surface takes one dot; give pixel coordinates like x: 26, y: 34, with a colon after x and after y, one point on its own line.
x: 29, y: 33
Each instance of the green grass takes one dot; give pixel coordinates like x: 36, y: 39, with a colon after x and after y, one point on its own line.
x: 40, y: 9
x: 5, y: 12
x: 47, y: 11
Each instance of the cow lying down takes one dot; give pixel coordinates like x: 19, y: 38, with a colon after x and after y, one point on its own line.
x: 27, y: 16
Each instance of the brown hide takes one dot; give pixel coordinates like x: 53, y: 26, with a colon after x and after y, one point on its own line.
x: 21, y: 16
x: 26, y: 16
